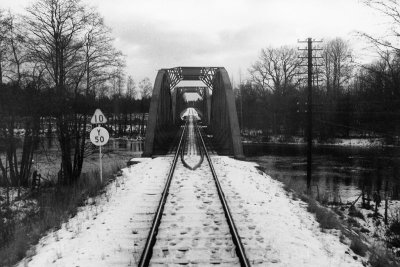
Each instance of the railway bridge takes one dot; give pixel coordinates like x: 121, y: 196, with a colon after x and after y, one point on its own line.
x: 216, y: 108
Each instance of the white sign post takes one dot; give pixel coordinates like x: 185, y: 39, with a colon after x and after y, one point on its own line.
x: 99, y: 135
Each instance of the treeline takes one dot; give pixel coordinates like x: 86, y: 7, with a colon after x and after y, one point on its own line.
x: 57, y: 64
x: 19, y: 105
x: 349, y: 99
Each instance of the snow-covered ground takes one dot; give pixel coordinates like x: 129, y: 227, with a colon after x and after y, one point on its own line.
x: 291, y: 235
x: 347, y: 142
x: 111, y: 229
x: 103, y: 232
x: 357, y: 142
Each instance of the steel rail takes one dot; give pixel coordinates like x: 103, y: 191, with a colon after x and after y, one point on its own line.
x: 151, y: 239
x: 244, y: 262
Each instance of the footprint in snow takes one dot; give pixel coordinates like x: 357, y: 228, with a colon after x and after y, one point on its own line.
x: 260, y: 239
x: 195, y: 242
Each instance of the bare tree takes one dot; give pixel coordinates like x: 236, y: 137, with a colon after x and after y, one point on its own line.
x: 12, y: 54
x: 56, y: 30
x: 390, y: 9
x: 337, y: 65
x: 11, y: 110
x: 388, y: 46
x: 145, y: 87
x: 4, y: 48
x: 101, y: 57
x: 71, y: 43
x: 276, y: 68
x: 117, y: 82
x: 16, y: 41
x: 275, y: 75
x: 131, y: 88
x: 55, y: 40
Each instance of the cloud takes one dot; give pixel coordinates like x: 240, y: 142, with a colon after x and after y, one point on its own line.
x: 156, y: 46
x: 156, y: 34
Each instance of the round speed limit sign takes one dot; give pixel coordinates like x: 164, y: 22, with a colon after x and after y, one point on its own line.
x: 99, y: 136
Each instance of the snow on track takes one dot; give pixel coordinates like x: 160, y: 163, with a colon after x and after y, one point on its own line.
x: 275, y: 230
x: 193, y: 228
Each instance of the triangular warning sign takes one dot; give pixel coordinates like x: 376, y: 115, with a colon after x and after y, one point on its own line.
x: 98, y: 117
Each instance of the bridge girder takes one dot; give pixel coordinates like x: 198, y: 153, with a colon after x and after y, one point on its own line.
x: 218, y: 107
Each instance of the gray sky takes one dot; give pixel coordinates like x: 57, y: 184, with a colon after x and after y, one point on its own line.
x: 156, y: 34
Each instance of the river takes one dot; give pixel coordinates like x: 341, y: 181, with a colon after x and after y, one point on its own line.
x: 338, y: 173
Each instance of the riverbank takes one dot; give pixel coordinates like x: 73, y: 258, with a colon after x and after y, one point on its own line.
x: 372, y: 233
x: 28, y: 215
x: 340, y: 174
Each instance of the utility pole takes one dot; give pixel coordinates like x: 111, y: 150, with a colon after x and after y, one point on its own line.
x: 8, y: 184
x: 309, y: 113
x: 310, y: 58
x: 241, y: 99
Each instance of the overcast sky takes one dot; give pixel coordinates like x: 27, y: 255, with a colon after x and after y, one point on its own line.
x: 156, y: 34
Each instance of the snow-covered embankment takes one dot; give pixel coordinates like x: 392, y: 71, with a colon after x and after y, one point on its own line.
x: 291, y: 236
x: 111, y: 229
x: 105, y: 231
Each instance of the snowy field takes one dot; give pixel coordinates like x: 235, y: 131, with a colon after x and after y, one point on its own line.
x: 106, y: 232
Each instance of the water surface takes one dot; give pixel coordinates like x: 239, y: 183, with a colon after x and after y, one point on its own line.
x: 339, y: 173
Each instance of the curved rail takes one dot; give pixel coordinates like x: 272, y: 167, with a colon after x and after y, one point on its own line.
x: 235, y: 236
x: 151, y: 239
x: 183, y: 156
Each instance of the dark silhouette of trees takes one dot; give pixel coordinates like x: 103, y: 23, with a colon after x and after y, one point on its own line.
x: 275, y: 76
x: 57, y: 65
x: 378, y: 96
x: 335, y: 76
x: 348, y: 101
x: 22, y: 107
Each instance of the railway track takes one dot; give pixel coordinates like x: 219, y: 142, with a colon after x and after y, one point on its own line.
x: 193, y: 224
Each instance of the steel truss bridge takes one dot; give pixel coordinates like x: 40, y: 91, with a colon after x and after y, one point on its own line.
x: 216, y: 108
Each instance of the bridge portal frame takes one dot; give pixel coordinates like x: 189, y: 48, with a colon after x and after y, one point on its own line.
x: 220, y: 107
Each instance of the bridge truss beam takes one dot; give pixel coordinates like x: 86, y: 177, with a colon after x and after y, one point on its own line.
x: 219, y: 109
x: 223, y: 118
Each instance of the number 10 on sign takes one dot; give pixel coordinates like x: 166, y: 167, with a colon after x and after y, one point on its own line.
x: 98, y: 117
